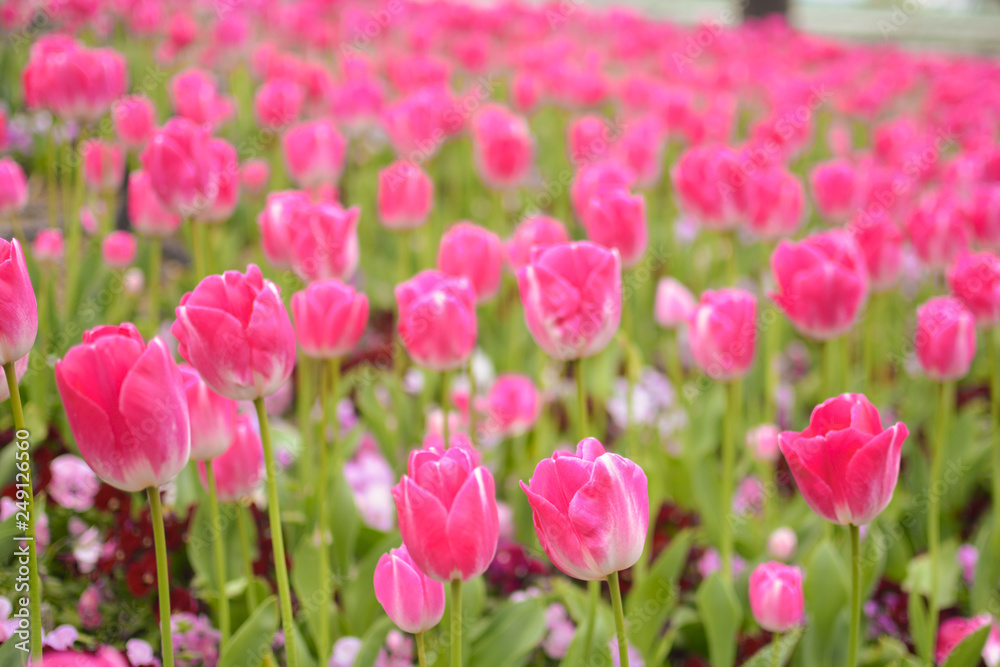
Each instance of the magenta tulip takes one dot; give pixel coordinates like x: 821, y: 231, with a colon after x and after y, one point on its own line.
x: 537, y: 230
x: 955, y: 630
x: 411, y: 599
x: 437, y: 319
x: 836, y: 188
x: 178, y: 160
x: 212, y: 417
x: 314, y: 153
x: 278, y: 103
x: 146, y: 212
x: 134, y: 119
x: 723, y: 333
x: 48, y: 246
x: 674, y: 303
x: 18, y: 308
x: 103, y: 165
x: 323, y: 241
x: 330, y: 318
x: 195, y: 96
x: 881, y: 245
x: 475, y: 253
x: 511, y: 406
x: 405, y: 195
x: 945, y: 341
x: 937, y: 229
x: 273, y: 224
x: 13, y: 188
x: 118, y: 249
x: 615, y: 218
x: 974, y: 279
x: 503, y: 146
x: 240, y: 468
x: 776, y: 598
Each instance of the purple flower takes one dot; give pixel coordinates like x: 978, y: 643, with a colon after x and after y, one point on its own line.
x: 371, y: 480
x: 196, y: 642
x: 61, y: 638
x: 968, y: 558
x: 345, y: 651
x: 561, y: 630
x: 74, y: 485
x: 87, y: 544
x: 88, y: 608
x: 7, y: 624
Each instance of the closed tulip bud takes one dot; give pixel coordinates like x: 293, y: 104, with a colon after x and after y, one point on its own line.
x: 18, y: 308
x: 945, y: 341
x: 223, y: 186
x: 537, y: 230
x: 240, y: 468
x: 589, y: 139
x: 983, y: 213
x: 615, y: 218
x: 763, y: 443
x: 195, y: 96
x: 118, y: 249
x: 572, y: 298
x: 437, y: 319
x: 255, y: 175
x: 475, y: 253
x: 13, y: 188
x: 598, y: 176
x: 447, y: 509
x: 774, y: 204
x: 323, y: 241
x: 314, y: 153
x: 405, y: 195
x: 273, y: 223
x: 781, y: 544
x: 146, y: 212
x: 881, y: 245
x: 125, y: 404
x: 674, y: 303
x: 212, y: 417
x: 511, y: 406
x: 503, y: 146
x: 178, y: 159
x: 591, y: 510
x: 836, y: 188
x: 822, y: 283
x: 640, y: 146
x: 278, y: 103
x: 329, y: 318
x: 48, y: 246
x: 722, y: 330
x: 134, y: 118
x: 411, y: 599
x: 234, y: 329
x: 776, y: 597
x: 103, y: 165
x: 937, y: 229
x: 974, y: 279
x: 844, y: 463
x: 705, y: 180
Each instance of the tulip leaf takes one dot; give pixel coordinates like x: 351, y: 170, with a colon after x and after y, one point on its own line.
x: 305, y: 578
x: 11, y: 655
x: 8, y: 531
x: 969, y: 652
x: 653, y: 599
x: 987, y: 571
x: 359, y: 607
x: 201, y: 545
x: 512, y: 633
x: 826, y: 591
x: 721, y: 614
x: 785, y: 646
x: 919, y: 625
x: 372, y: 642
x: 918, y: 575
x: 252, y: 640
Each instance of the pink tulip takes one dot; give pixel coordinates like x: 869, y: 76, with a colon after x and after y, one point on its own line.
x: 707, y: 181
x: 13, y: 188
x: 537, y: 230
x: 955, y: 630
x: 782, y: 543
x: 774, y: 205
x: 405, y: 195
x: 20, y: 368
x: 511, y: 406
x: 103, y: 165
x: 572, y: 295
x: 974, y: 279
x: 118, y: 249
x: 844, y: 464
x: 323, y: 241
x: 836, y: 188
x: 722, y: 330
x: 776, y: 598
x: 503, y: 146
x: 591, y: 510
x: 945, y: 340
x: 937, y: 229
x: 255, y: 175
x: 235, y: 331
x: 74, y: 82
x: 822, y: 283
x: 525, y: 91
x: 195, y: 96
x: 314, y: 153
x: 641, y: 146
x: 437, y: 319
x: 413, y: 601
x: 447, y: 509
x: 104, y: 657
x: 48, y: 246
x: 240, y: 468
x: 674, y: 303
x: 18, y: 308
x: 615, y: 218
x: 330, y: 318
x: 273, y: 223
x: 223, y: 188
x: 475, y: 253
x: 881, y: 244
x: 134, y: 119
x: 983, y: 213
x: 590, y: 139
x: 126, y: 407
x: 763, y: 443
x: 278, y: 103
x: 212, y: 417
x: 179, y: 161
x: 146, y: 212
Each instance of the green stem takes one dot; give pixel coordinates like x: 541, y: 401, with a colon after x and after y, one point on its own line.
x: 868, y: 349
x: 220, y: 559
x: 852, y: 647
x: 729, y: 432
x: 456, y: 622
x: 198, y: 249
x: 733, y: 263
x: 581, y: 399
x: 473, y: 432
x: 328, y: 393
x: 772, y: 352
x: 244, y: 528
x: 162, y: 575
x: 775, y: 641
x: 34, y: 580
x: 672, y: 363
x: 277, y: 541
x: 945, y: 407
x: 153, y: 278
x: 304, y: 398
x: 421, y: 654
x: 993, y: 342
x: 594, y: 594
x: 829, y: 385
x: 445, y: 399
x: 616, y: 602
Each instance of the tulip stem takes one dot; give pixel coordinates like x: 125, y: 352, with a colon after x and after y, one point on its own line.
x: 220, y: 559
x: 730, y: 429
x: 829, y: 384
x: 456, y: 622
x: 733, y: 263
x: 945, y: 407
x: 775, y: 649
x: 153, y: 277
x: 444, y: 409
x: 34, y: 580
x: 616, y: 603
x: 993, y: 342
x: 581, y: 398
x: 421, y: 654
x: 473, y: 433
x: 329, y: 386
x: 244, y: 528
x: 672, y: 364
x: 277, y: 541
x: 198, y: 249
x: 772, y: 352
x: 162, y: 575
x: 852, y: 648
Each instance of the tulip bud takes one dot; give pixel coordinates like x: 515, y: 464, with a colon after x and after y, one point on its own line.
x: 118, y: 249
x: 776, y: 597
x: 278, y: 103
x: 945, y: 340
x: 103, y: 165
x: 722, y: 330
x: 13, y: 188
x: 615, y: 218
x: 538, y: 230
x: 937, y: 229
x: 18, y: 308
x: 330, y: 318
x: 974, y: 279
x: 763, y: 443
x: 503, y: 146
x: 314, y: 153
x: 836, y: 188
x: 881, y: 245
x: 413, y: 601
x: 134, y: 118
x: 211, y: 416
x: 475, y: 253
x: 405, y: 195
x: 48, y: 246
x: 255, y: 175
x: 781, y: 544
x: 674, y: 303
x: 511, y: 406
x: 323, y: 241
x: 273, y: 224
x: 437, y: 319
x: 240, y: 468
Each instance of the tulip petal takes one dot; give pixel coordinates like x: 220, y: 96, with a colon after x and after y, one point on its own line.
x: 214, y: 342
x: 473, y: 526
x: 422, y: 521
x: 871, y: 475
x: 559, y: 539
x: 272, y: 353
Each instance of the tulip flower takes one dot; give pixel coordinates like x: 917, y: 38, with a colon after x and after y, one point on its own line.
x: 774, y: 205
x: 195, y: 96
x: 782, y: 543
x: 178, y: 160
x: 511, y: 406
x: 413, y: 601
x: 223, y: 186
x: 146, y: 212
x: 323, y: 241
x: 134, y: 119
x: 330, y: 318
x: 983, y: 213
x: 240, y: 468
x: 836, y: 188
x: 723, y: 333
x: 13, y: 188
x: 881, y: 245
x: 974, y: 279
x: 955, y: 630
x: 503, y: 146
x: 615, y: 218
x: 278, y: 103
x: 103, y: 165
x: 598, y: 176
x: 707, y: 181
x: 937, y: 229
x: 19, y: 310
x: 674, y: 303
x: 437, y: 319
x: 118, y: 249
x: 48, y: 246
x: 945, y: 341
x: 212, y: 417
x: 776, y: 598
x: 405, y: 195
x: 255, y: 175
x: 538, y: 230
x: 314, y: 153
x: 273, y: 224
x: 475, y: 253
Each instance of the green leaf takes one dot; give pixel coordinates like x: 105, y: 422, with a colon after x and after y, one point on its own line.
x: 826, y: 592
x: 785, y: 646
x: 253, y: 639
x: 969, y: 652
x: 11, y: 655
x: 721, y: 614
x: 513, y: 632
x: 306, y: 583
x: 650, y: 603
x: 918, y: 575
x: 372, y: 643
x: 919, y: 627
